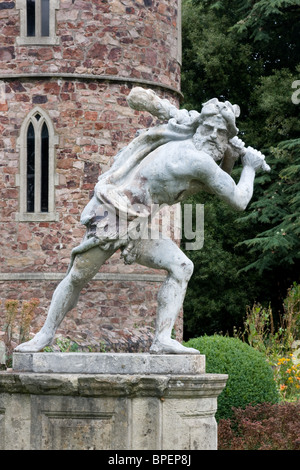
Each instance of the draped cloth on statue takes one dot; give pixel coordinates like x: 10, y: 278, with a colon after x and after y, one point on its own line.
x: 109, y: 200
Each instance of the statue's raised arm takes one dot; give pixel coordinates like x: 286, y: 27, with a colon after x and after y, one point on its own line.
x: 147, y: 100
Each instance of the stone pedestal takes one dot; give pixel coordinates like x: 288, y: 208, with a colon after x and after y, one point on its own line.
x: 115, y: 402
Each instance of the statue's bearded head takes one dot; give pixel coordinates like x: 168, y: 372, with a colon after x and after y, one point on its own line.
x: 216, y: 128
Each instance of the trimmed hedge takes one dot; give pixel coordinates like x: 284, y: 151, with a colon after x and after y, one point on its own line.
x: 250, y: 378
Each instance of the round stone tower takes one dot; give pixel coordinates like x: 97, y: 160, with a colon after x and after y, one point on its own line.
x: 66, y: 67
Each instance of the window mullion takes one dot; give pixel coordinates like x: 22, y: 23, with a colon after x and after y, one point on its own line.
x: 38, y: 16
x: 51, y: 22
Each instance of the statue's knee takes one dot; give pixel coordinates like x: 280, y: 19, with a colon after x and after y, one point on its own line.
x: 188, y: 269
x: 183, y: 270
x: 77, y: 278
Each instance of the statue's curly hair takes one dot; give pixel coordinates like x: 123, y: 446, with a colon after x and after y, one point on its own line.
x: 226, y: 110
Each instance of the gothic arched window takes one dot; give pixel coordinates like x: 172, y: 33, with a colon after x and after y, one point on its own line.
x: 37, y: 21
x: 37, y: 176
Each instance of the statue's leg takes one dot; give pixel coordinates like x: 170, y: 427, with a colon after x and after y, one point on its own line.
x: 165, y: 254
x: 66, y: 295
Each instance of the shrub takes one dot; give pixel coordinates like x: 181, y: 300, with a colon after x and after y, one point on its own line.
x: 262, y: 427
x: 250, y: 378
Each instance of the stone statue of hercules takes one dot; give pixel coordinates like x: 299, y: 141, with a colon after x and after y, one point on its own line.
x: 165, y: 164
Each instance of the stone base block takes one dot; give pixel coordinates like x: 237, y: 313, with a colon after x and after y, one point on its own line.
x: 109, y: 363
x: 129, y: 411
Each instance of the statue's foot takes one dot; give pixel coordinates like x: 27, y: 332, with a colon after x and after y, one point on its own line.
x: 171, y: 346
x: 36, y: 344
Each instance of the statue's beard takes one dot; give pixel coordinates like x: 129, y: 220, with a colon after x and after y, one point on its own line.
x: 209, y: 146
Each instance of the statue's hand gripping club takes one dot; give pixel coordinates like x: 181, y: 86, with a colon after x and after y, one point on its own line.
x: 249, y: 155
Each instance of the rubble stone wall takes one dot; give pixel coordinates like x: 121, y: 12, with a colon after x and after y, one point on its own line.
x: 103, y: 48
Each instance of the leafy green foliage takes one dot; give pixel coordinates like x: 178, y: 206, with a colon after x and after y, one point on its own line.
x: 246, y: 52
x: 215, y: 62
x: 250, y: 378
x: 278, y: 212
x: 269, y: 21
x: 261, y: 333
x: 218, y: 292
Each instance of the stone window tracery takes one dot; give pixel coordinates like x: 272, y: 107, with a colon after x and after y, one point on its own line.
x: 37, y: 22
x: 37, y: 177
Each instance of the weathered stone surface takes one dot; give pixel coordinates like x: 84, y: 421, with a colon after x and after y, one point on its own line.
x: 109, y: 363
x: 108, y: 412
x: 125, y: 385
x: 88, y: 33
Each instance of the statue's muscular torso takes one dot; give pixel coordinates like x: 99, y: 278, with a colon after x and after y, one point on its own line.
x: 167, y: 175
